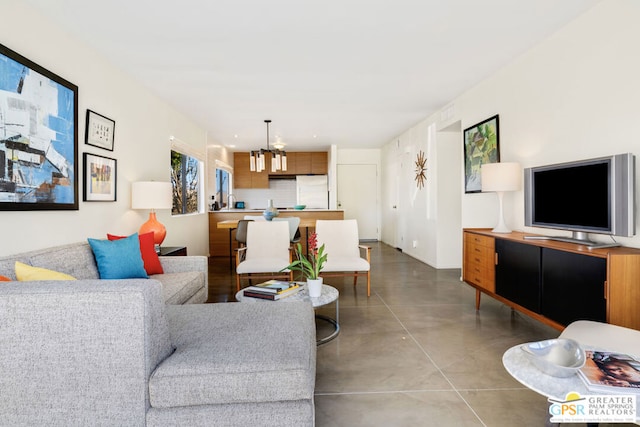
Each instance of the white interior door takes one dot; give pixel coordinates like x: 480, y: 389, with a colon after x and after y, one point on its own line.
x: 358, y: 197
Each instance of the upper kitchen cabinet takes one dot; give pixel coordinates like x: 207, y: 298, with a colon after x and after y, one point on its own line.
x: 291, y: 166
x: 303, y: 164
x: 242, y: 175
x: 298, y: 163
x: 319, y: 163
x: 308, y: 163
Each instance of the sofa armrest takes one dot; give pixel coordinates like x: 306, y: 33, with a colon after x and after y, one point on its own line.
x: 79, y: 351
x: 182, y: 264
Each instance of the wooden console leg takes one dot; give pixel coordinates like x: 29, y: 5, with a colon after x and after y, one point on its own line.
x: 478, y: 293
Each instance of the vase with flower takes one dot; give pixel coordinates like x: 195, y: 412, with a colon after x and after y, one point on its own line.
x: 310, y: 265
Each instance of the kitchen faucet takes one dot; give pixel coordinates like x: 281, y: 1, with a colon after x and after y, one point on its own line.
x: 229, y: 198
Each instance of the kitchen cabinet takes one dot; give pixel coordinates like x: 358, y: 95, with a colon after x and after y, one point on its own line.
x: 303, y: 164
x: 311, y: 163
x: 319, y: 163
x: 555, y: 282
x: 243, y: 177
x: 298, y: 163
x: 291, y: 164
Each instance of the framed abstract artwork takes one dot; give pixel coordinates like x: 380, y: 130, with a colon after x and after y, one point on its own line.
x: 39, y: 139
x: 99, y: 131
x: 481, y: 145
x: 100, y: 179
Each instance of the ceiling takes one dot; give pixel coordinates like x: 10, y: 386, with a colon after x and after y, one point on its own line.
x: 355, y: 73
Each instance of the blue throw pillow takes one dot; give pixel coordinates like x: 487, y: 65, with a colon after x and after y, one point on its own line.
x: 119, y: 259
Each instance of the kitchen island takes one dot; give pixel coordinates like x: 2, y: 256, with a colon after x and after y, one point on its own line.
x: 219, y: 237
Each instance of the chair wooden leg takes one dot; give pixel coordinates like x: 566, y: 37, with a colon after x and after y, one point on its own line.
x: 368, y: 283
x: 355, y: 278
x: 237, y: 282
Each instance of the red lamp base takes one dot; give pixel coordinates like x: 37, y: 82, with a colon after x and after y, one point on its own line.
x: 159, y: 230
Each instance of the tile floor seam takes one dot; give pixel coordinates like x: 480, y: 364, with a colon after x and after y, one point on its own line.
x: 432, y: 361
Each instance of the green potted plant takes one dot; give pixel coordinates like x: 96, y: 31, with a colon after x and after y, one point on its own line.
x: 310, y: 265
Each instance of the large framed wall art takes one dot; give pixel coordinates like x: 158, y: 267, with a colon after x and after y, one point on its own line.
x: 481, y: 145
x: 38, y: 137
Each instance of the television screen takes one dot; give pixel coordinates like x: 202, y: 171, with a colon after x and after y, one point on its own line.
x: 577, y: 195
x: 585, y: 196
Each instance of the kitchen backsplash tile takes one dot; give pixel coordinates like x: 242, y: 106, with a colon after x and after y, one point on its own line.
x: 282, y: 191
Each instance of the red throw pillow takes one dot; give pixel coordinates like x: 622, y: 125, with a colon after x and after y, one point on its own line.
x: 5, y: 279
x: 147, y: 250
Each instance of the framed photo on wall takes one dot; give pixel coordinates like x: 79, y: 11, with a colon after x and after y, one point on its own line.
x: 100, y: 178
x: 99, y: 131
x: 39, y: 139
x: 481, y: 145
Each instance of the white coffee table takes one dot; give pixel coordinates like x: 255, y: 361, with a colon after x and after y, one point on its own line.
x: 329, y: 294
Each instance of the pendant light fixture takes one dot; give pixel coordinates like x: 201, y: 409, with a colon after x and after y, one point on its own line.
x: 278, y: 157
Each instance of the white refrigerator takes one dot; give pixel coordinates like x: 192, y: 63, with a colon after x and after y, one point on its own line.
x: 312, y: 191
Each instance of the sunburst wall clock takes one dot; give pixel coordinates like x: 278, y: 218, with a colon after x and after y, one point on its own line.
x: 421, y: 169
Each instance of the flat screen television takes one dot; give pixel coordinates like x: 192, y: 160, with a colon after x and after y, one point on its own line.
x: 586, y: 196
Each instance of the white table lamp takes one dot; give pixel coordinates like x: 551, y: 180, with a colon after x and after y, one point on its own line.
x: 152, y: 195
x: 501, y: 177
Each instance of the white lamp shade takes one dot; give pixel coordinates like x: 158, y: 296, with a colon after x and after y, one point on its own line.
x: 151, y: 195
x: 501, y: 176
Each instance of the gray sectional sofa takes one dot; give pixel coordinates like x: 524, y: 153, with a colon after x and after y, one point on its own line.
x: 185, y: 279
x: 116, y: 352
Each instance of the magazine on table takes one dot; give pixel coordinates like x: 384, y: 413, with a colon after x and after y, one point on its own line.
x: 611, y: 372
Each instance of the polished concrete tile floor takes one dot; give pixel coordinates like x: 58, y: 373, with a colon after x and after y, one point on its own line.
x: 415, y: 353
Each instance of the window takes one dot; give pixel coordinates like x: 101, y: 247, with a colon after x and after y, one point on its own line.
x: 186, y: 182
x: 222, y: 186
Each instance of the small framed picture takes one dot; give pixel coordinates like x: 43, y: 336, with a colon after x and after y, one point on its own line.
x: 99, y: 131
x: 100, y: 178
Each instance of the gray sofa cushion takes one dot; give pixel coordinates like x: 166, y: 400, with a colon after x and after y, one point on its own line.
x: 235, y: 353
x: 74, y: 259
x: 177, y: 288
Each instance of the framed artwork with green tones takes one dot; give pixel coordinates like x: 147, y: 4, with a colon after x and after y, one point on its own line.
x: 481, y: 145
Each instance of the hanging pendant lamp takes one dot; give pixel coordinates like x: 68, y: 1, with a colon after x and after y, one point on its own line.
x: 257, y: 157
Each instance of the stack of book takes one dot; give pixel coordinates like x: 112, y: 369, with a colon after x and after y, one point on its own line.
x: 271, y: 290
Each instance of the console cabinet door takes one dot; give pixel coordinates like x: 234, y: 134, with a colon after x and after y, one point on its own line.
x: 573, y: 286
x: 518, y: 273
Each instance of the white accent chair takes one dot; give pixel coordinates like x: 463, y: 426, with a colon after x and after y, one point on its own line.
x: 344, y: 251
x: 266, y: 254
x: 294, y: 223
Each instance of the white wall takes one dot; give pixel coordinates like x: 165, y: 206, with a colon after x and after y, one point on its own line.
x: 423, y: 222
x: 142, y: 147
x: 573, y: 96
